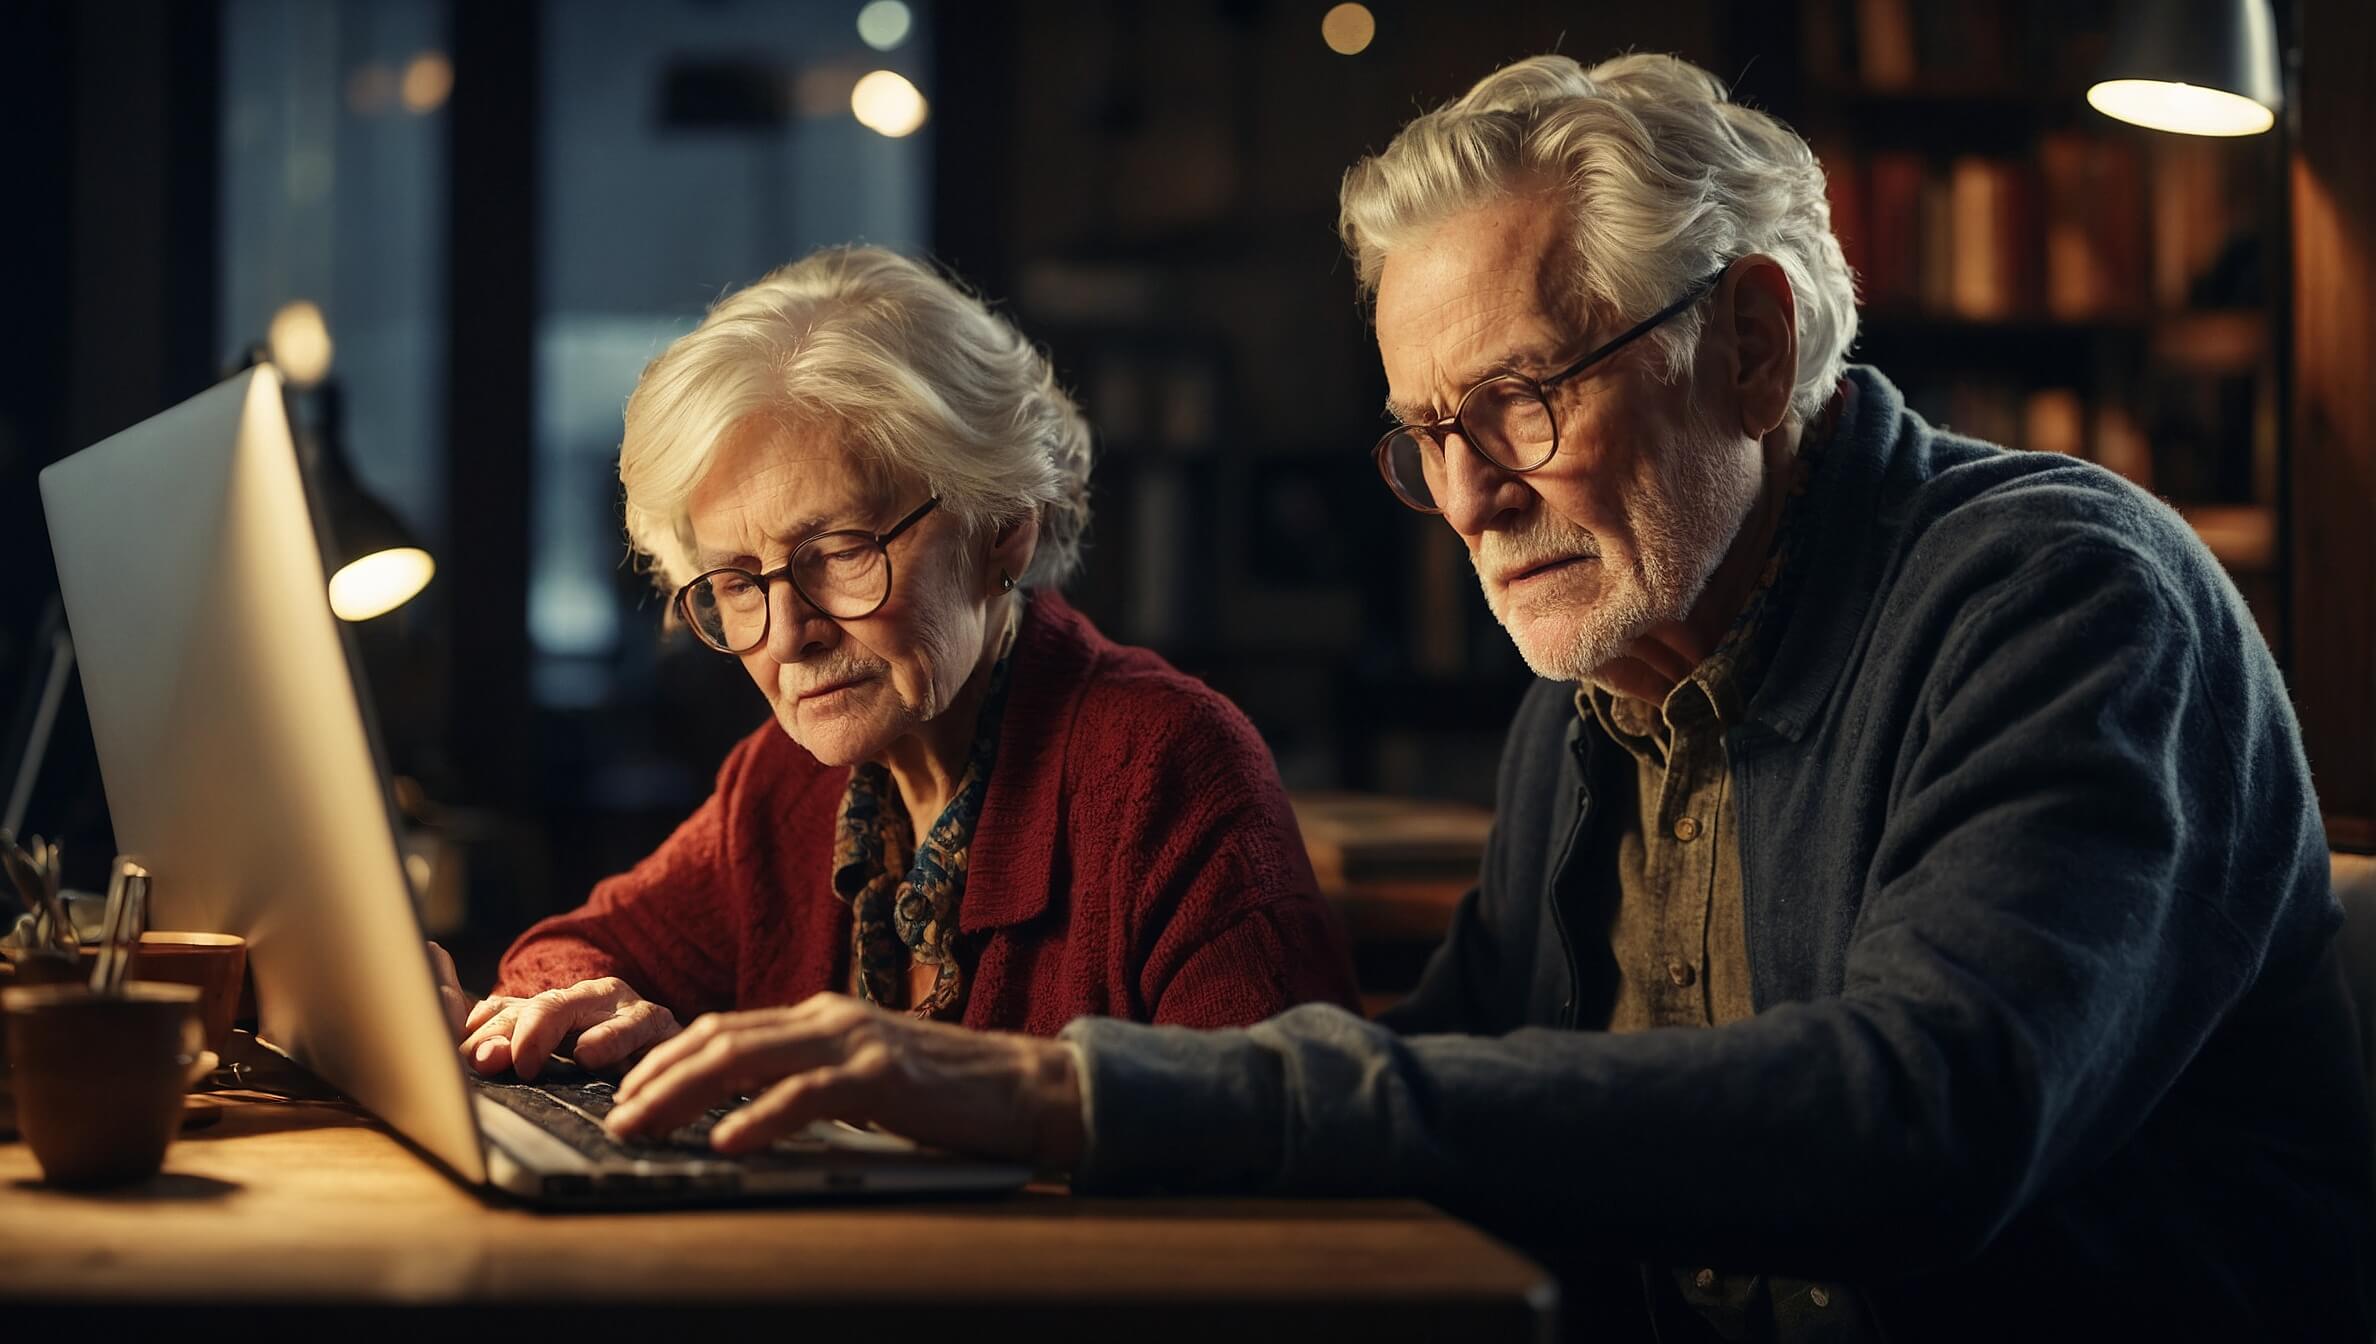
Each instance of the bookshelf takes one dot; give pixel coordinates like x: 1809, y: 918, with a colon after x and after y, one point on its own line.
x: 2038, y: 275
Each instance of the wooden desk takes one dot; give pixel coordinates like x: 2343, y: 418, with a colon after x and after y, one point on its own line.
x: 314, y: 1215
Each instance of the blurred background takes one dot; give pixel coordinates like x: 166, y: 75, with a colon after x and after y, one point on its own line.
x: 466, y: 225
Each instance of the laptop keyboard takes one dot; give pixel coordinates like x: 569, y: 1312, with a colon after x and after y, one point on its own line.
x: 571, y: 1109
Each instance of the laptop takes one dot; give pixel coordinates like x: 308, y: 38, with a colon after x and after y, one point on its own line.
x: 240, y: 767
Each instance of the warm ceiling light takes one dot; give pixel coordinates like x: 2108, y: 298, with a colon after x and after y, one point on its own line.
x: 1347, y: 29
x: 2197, y: 67
x: 300, y: 342
x: 887, y: 104
x: 379, y: 583
x: 428, y: 81
x: 884, y: 24
x: 2183, y: 108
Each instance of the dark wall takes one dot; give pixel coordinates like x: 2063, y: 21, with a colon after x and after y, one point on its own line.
x: 110, y: 248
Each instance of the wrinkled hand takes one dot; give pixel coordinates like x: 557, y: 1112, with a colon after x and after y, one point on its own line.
x: 834, y: 1058
x: 611, y: 1022
x: 449, y: 991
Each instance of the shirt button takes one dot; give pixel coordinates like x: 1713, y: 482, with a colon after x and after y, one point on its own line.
x: 1681, y: 973
x: 1704, y: 1280
x: 1819, y: 1297
x: 1687, y: 829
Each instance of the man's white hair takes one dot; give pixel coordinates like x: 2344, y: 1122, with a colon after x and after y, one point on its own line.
x: 1666, y: 180
x: 925, y: 384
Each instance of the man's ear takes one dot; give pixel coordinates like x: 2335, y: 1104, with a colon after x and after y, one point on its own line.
x: 1760, y: 316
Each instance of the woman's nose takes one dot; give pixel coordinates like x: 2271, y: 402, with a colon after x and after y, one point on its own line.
x: 795, y: 630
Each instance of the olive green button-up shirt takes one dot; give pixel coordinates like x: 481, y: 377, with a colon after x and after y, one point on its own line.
x: 1676, y: 930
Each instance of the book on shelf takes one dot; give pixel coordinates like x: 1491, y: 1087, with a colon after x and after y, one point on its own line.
x: 1885, y: 43
x: 1894, y: 213
x: 1903, y: 45
x: 1439, y: 610
x: 1158, y: 541
x: 1846, y: 188
x: 2095, y: 225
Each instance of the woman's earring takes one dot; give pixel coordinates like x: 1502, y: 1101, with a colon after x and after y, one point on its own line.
x: 1006, y: 582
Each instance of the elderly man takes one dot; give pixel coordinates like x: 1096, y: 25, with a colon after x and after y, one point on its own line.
x: 1906, y: 914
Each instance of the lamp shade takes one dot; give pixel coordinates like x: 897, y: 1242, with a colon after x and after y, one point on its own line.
x: 374, y: 563
x: 2197, y: 67
x: 379, y: 565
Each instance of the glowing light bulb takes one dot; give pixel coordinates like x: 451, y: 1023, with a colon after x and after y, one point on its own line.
x: 379, y: 583
x: 2188, y: 109
x: 887, y: 104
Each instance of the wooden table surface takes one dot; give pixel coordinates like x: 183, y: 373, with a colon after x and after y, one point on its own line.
x: 304, y: 1213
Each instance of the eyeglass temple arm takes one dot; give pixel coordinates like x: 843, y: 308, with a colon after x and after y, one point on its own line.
x: 911, y: 520
x: 1638, y: 329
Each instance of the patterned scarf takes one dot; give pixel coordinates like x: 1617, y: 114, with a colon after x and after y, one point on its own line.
x: 905, y: 911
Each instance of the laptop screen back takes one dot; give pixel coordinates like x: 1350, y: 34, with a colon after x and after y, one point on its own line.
x: 233, y: 747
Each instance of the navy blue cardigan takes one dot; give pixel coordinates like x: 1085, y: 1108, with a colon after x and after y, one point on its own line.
x: 2038, y: 928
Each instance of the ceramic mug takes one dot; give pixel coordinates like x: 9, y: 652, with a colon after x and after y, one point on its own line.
x: 99, y: 1079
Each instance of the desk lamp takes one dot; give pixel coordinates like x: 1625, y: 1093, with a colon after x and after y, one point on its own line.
x: 375, y: 564
x: 2196, y: 67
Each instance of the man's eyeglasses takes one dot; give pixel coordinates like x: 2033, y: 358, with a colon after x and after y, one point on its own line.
x: 1506, y: 418
x: 846, y: 575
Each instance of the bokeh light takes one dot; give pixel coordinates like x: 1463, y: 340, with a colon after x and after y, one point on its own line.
x: 300, y: 342
x: 887, y: 104
x: 885, y: 24
x: 1348, y: 29
x: 428, y: 81
x: 371, y: 89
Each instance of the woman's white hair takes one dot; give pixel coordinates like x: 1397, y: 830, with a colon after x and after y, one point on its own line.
x: 926, y: 384
x: 1666, y: 180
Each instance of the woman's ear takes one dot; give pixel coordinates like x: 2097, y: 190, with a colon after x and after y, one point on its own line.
x: 1011, y: 547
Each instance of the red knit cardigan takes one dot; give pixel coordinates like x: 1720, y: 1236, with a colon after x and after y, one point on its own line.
x: 1135, y: 858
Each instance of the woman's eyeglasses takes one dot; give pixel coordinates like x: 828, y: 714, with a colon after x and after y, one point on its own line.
x: 845, y: 575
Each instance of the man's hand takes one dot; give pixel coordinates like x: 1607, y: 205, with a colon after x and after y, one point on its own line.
x: 833, y: 1058
x: 611, y: 1022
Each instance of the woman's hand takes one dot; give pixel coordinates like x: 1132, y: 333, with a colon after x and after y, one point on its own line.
x: 833, y: 1058
x: 611, y: 1021
x: 449, y: 991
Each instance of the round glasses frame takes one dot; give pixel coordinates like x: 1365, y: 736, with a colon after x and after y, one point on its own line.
x: 1434, y: 434
x: 880, y: 542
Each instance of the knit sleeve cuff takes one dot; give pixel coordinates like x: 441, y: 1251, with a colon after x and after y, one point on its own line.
x: 1167, y: 1108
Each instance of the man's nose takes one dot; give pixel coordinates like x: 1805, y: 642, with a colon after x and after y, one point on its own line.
x: 795, y: 629
x: 1475, y: 490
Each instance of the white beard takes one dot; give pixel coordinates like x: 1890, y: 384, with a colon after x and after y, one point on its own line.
x: 1702, y: 488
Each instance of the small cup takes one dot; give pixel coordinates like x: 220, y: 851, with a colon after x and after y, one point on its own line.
x: 99, y: 1079
x: 214, y: 962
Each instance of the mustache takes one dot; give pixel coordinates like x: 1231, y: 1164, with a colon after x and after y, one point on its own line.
x: 1503, y: 553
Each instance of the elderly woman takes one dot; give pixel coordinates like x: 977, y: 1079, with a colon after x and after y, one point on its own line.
x: 971, y: 806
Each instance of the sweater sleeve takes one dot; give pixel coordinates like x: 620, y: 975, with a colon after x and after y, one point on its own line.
x: 666, y: 926
x: 2052, y: 930
x: 1228, y: 924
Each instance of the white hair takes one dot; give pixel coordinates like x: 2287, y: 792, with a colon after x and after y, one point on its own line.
x: 1666, y: 180
x: 926, y: 383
